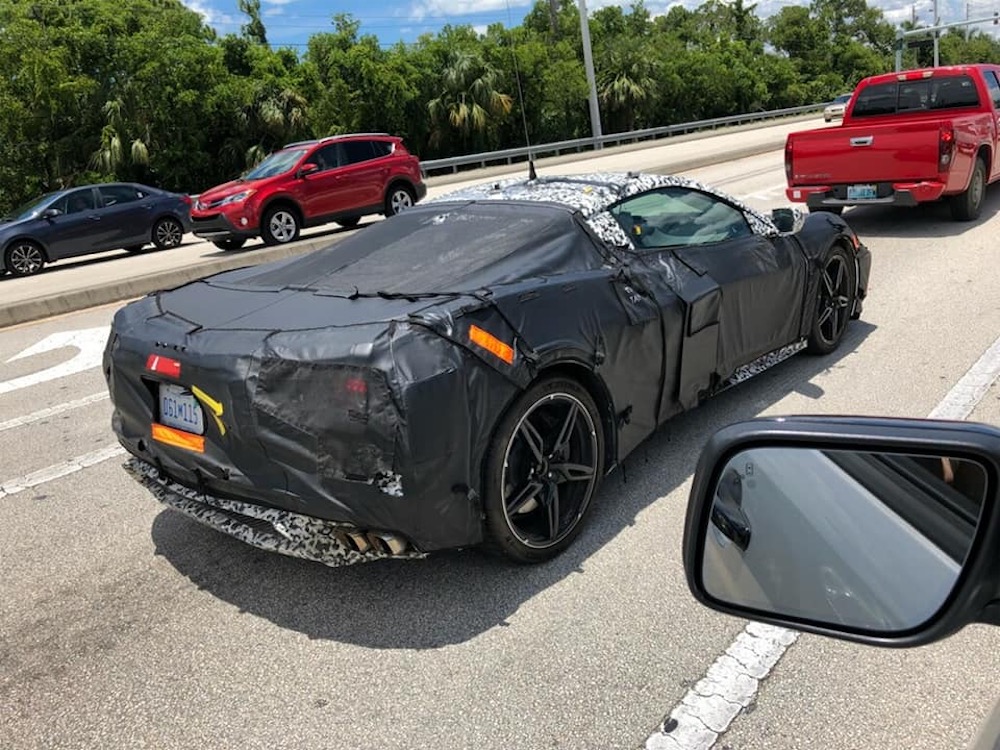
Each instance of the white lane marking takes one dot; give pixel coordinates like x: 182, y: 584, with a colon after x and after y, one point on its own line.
x: 89, y: 343
x: 56, y: 471
x: 51, y: 411
x: 731, y: 683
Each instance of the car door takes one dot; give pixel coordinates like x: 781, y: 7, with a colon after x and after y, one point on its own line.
x: 78, y: 229
x: 361, y: 184
x: 128, y: 217
x: 318, y: 192
x: 742, y: 290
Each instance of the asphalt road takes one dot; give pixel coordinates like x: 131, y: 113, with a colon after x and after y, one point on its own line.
x: 125, y: 625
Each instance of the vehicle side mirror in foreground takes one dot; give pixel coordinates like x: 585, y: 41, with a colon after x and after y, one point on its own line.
x: 787, y: 220
x: 50, y: 213
x: 882, y: 531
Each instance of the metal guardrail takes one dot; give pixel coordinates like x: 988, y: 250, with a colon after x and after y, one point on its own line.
x: 512, y: 155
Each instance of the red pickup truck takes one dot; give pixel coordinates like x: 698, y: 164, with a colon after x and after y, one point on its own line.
x: 906, y: 138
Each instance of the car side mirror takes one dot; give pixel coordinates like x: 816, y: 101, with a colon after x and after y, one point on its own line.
x: 307, y: 169
x: 787, y: 220
x: 880, y: 531
x: 50, y: 213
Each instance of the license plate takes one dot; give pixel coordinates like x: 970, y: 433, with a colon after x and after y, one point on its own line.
x: 861, y: 192
x: 180, y: 409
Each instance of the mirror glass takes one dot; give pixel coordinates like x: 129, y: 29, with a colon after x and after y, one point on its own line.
x: 874, y: 541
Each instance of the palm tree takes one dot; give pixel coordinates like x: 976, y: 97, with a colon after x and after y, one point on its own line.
x: 627, y: 83
x: 273, y: 117
x: 469, y: 99
x: 120, y: 154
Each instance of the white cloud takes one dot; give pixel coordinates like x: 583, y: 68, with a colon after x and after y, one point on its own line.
x: 212, y: 16
x: 444, y: 8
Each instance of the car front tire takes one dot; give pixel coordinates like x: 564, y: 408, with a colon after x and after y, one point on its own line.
x: 543, y: 468
x: 280, y: 226
x: 834, y: 303
x: 24, y: 258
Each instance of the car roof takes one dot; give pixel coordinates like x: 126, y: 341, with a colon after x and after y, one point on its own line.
x: 592, y: 194
x: 339, y: 137
x: 917, y: 73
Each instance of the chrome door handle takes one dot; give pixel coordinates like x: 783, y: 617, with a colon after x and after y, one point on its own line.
x: 865, y: 140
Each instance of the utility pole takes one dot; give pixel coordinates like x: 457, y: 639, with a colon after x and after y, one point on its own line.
x: 588, y: 61
x: 937, y: 22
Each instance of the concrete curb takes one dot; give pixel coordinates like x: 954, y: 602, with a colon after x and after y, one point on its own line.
x: 102, y: 294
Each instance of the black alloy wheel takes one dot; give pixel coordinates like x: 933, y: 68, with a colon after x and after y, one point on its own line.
x: 167, y: 233
x: 24, y: 258
x: 834, y: 301
x: 543, y: 469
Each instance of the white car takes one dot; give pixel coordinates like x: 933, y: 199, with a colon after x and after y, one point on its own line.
x: 835, y: 109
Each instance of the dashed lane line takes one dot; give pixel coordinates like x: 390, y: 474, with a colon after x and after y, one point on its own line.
x: 57, y: 471
x: 730, y: 684
x: 52, y: 411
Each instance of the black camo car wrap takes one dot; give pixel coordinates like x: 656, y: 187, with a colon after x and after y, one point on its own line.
x: 294, y: 460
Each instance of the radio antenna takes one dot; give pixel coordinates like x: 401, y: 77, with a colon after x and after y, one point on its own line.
x: 532, y: 174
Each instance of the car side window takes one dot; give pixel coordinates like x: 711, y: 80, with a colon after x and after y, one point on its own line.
x: 326, y: 157
x: 381, y: 148
x: 77, y: 201
x: 355, y: 152
x: 679, y: 217
x: 993, y: 84
x: 116, y: 195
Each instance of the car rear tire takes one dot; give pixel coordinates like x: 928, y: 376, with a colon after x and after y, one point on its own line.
x: 350, y: 222
x: 280, y: 226
x: 230, y: 243
x: 543, y: 468
x: 834, y: 305
x: 968, y: 205
x: 167, y: 233
x: 24, y: 258
x: 399, y: 199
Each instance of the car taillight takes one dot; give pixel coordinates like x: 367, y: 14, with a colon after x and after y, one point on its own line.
x: 353, y: 398
x: 788, y: 161
x: 163, y: 366
x: 946, y: 147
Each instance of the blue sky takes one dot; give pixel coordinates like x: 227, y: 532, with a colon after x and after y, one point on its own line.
x: 291, y: 22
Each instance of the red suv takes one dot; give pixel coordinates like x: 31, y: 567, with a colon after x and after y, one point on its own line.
x: 340, y: 178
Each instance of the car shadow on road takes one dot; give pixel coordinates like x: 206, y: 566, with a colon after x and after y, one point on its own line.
x: 256, y: 245
x: 925, y: 220
x: 451, y: 597
x: 68, y: 264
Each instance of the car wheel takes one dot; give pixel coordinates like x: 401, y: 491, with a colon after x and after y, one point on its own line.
x: 167, y: 233
x: 543, y: 469
x: 350, y: 222
x: 280, y: 226
x: 836, y: 210
x: 400, y: 198
x: 968, y: 205
x: 834, y: 301
x: 230, y: 243
x: 24, y: 258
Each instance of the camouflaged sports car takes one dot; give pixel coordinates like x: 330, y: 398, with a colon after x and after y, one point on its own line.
x: 466, y: 372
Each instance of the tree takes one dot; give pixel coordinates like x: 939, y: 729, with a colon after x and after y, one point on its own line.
x: 470, y: 98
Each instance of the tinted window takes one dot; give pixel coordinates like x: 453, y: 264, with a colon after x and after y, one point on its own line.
x: 947, y: 92
x: 77, y: 201
x: 994, y: 87
x: 675, y: 217
x: 326, y: 157
x: 357, y: 151
x: 115, y: 195
x: 382, y: 148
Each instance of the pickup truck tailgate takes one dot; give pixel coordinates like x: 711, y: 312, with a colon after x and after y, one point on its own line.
x: 900, y: 151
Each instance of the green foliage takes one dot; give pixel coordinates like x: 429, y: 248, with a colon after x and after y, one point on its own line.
x: 94, y: 90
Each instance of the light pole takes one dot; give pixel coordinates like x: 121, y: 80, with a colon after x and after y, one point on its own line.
x: 588, y: 62
x: 937, y: 22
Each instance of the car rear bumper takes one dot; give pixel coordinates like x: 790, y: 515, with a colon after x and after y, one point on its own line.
x: 219, y: 226
x: 887, y: 194
x: 273, y: 529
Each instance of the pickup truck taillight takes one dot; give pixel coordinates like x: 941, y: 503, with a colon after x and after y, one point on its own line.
x: 788, y: 160
x: 946, y: 147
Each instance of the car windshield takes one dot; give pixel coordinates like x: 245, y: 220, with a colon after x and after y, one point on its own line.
x: 29, y: 209
x: 275, y: 164
x: 842, y: 99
